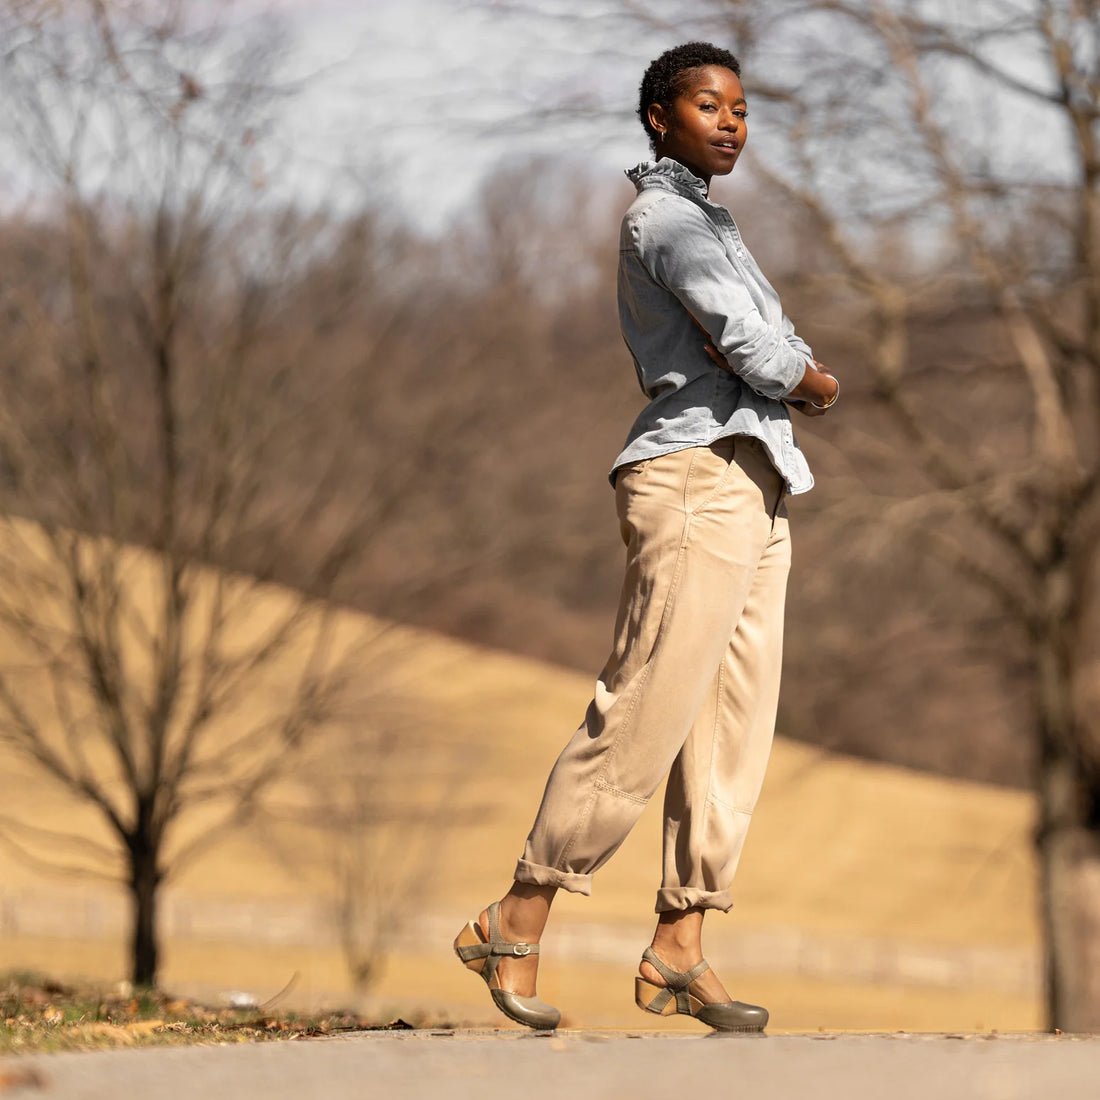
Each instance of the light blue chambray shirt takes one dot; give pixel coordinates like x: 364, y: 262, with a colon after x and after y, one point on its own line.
x: 681, y: 257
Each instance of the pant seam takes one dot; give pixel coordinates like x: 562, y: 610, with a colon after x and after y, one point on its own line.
x: 715, y: 800
x: 673, y: 588
x: 603, y: 785
x: 600, y: 781
x: 717, y: 717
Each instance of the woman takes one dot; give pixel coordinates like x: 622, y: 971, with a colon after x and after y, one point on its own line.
x: 691, y: 687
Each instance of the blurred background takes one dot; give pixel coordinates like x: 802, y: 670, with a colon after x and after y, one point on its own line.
x: 311, y: 382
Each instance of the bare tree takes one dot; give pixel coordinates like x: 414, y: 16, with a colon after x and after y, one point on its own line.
x: 207, y: 391
x: 1013, y: 507
x: 155, y: 397
x: 362, y: 820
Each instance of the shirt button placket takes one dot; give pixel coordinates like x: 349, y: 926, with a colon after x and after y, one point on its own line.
x: 737, y: 240
x: 738, y: 248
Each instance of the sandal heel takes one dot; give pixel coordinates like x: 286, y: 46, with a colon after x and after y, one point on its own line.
x: 470, y: 937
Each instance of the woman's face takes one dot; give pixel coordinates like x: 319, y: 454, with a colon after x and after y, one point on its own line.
x: 705, y: 130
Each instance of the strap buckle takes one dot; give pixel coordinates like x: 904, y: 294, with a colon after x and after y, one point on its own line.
x: 521, y: 949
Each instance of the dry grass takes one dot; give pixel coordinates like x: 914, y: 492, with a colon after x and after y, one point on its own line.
x: 41, y: 1014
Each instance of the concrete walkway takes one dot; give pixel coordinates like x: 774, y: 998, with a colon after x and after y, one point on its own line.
x: 487, y: 1065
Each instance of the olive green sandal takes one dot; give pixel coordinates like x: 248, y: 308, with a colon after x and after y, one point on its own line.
x: 483, y: 958
x: 673, y: 998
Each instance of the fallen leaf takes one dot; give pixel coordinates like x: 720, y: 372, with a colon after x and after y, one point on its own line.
x: 106, y: 1031
x: 145, y: 1027
x: 21, y: 1079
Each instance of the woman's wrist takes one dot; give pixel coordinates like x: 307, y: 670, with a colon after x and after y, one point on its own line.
x: 817, y: 387
x: 829, y: 401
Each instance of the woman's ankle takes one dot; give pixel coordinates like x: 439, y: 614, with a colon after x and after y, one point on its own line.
x: 524, y: 911
x: 679, y: 934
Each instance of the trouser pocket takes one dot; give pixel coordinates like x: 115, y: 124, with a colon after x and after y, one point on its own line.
x: 709, y: 469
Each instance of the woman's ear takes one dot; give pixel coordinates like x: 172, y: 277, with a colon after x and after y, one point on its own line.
x: 658, y: 119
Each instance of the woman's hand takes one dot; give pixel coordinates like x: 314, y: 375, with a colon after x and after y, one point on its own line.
x: 806, y: 408
x: 712, y: 351
x: 813, y: 396
x: 816, y: 393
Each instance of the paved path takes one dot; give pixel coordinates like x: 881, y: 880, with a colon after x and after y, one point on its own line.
x: 474, y: 1065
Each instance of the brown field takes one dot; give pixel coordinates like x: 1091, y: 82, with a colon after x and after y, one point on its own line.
x: 869, y: 897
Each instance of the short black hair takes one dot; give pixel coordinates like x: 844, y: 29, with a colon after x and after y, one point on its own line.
x: 664, y: 79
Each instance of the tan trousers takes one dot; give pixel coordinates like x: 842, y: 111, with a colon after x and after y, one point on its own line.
x: 691, y: 688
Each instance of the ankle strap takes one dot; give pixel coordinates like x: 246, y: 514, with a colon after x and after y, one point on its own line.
x: 675, y: 979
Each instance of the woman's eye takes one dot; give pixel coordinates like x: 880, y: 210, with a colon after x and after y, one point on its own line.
x: 708, y: 107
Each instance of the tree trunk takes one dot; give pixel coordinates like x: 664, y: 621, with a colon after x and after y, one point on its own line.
x: 1071, y: 913
x: 145, y: 879
x: 1068, y: 840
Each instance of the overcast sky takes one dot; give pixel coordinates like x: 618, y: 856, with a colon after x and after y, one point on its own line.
x: 422, y: 96
x: 409, y: 103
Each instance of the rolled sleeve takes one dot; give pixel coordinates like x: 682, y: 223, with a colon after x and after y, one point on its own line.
x: 681, y: 251
x: 796, y: 341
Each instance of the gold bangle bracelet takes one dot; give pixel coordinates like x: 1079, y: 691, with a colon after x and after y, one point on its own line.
x: 832, y: 400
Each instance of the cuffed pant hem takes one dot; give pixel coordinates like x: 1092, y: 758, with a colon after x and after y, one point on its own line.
x: 537, y: 875
x: 689, y: 897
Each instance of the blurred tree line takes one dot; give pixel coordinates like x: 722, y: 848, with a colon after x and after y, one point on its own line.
x: 421, y: 425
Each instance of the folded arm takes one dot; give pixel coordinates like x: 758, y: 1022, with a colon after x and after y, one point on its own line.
x: 681, y: 252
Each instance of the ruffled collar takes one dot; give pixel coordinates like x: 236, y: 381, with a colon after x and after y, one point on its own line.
x: 666, y: 171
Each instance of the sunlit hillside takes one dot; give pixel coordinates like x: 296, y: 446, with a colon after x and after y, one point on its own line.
x: 869, y: 897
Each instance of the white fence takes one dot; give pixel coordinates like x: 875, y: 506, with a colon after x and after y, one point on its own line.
x: 101, y: 915
x: 776, y: 950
